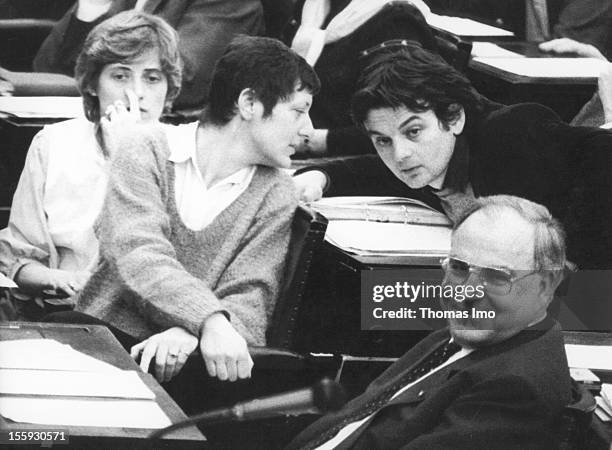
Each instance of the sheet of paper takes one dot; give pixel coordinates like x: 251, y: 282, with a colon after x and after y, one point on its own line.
x: 84, y: 412
x: 48, y: 354
x: 118, y: 384
x: 548, y: 67
x: 376, y: 238
x: 42, y: 107
x: 490, y: 50
x: 597, y: 357
x: 6, y: 282
x: 465, y: 27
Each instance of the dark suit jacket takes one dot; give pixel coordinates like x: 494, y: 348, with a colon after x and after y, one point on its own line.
x: 205, y: 27
x: 505, y: 396
x: 523, y: 150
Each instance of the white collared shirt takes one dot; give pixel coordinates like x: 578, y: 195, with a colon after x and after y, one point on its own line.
x: 353, y: 426
x: 197, y: 204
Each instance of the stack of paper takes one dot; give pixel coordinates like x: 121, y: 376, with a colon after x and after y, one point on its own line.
x: 45, y: 382
x: 379, y: 209
x: 604, y: 403
x: 42, y: 107
x: 547, y: 67
x: 598, y: 357
x: 466, y: 27
x: 388, y: 239
x: 6, y: 282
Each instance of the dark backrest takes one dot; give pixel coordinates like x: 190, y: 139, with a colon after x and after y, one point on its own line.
x: 307, y: 233
x: 576, y: 418
x: 20, y: 40
x: 453, y: 49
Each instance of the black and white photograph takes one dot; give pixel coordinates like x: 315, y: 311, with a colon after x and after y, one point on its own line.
x: 306, y: 224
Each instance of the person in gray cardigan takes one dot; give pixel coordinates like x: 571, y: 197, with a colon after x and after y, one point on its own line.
x: 193, y: 237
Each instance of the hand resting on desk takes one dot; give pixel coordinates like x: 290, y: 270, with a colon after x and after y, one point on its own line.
x: 224, y: 351
x: 567, y: 45
x: 170, y: 349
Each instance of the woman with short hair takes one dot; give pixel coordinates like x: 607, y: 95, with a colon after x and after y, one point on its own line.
x: 128, y: 71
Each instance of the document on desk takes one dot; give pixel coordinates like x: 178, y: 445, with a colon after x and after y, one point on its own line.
x: 48, y: 354
x: 84, y: 412
x: 42, y: 107
x: 367, y: 238
x: 490, y: 50
x: 117, y: 384
x: 466, y: 27
x: 547, y: 67
x: 6, y: 282
x: 598, y: 357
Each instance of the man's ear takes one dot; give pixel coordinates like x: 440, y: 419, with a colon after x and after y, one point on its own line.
x: 247, y: 103
x: 457, y: 126
x: 549, y: 282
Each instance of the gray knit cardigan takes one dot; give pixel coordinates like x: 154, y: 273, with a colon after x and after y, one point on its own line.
x: 155, y: 273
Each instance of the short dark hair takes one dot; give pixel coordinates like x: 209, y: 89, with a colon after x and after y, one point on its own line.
x: 125, y: 37
x: 264, y: 65
x: 417, y: 79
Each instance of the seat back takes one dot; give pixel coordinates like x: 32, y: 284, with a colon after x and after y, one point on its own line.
x: 307, y: 233
x: 576, y: 419
x: 453, y: 49
x: 20, y: 40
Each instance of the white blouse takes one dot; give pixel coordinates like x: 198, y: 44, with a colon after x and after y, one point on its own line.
x: 57, y: 201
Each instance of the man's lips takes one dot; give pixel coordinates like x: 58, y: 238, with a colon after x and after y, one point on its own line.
x: 409, y: 170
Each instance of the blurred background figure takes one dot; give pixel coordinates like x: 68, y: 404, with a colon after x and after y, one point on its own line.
x: 205, y: 27
x: 128, y: 71
x: 597, y: 112
x: 587, y: 21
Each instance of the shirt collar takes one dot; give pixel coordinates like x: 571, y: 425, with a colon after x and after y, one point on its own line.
x: 182, y: 141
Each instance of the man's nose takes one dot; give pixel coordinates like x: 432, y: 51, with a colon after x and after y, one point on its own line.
x: 307, y: 127
x: 402, y: 149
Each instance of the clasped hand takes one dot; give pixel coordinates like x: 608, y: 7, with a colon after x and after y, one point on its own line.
x: 224, y: 351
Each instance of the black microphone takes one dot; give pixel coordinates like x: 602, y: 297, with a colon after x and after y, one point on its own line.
x: 325, y: 395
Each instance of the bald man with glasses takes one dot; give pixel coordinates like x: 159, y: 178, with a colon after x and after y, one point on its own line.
x: 495, y: 382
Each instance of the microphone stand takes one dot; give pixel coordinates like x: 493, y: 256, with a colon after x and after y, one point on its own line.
x: 325, y: 395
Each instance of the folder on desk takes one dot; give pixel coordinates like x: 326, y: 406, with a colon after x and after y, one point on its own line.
x: 464, y: 27
x: 547, y: 68
x: 380, y: 209
x: 45, y: 382
x: 366, y: 238
x: 41, y: 107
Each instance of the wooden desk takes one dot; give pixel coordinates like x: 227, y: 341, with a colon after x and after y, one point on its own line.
x: 564, y: 95
x: 97, y: 341
x: 332, y: 304
x: 601, y: 436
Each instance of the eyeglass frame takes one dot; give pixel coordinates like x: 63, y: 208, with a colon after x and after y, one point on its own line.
x: 477, y: 270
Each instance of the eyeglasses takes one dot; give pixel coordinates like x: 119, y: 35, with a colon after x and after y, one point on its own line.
x: 495, y: 280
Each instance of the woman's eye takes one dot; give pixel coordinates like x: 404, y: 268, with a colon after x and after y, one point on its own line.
x: 119, y: 76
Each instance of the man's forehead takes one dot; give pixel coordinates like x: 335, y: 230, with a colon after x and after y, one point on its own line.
x: 502, y: 238
x: 299, y: 95
x: 390, y: 117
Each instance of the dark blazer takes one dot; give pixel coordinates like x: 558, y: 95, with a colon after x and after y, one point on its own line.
x: 205, y: 27
x: 505, y: 396
x: 523, y: 150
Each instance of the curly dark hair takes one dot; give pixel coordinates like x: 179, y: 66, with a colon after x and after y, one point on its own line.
x: 413, y: 77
